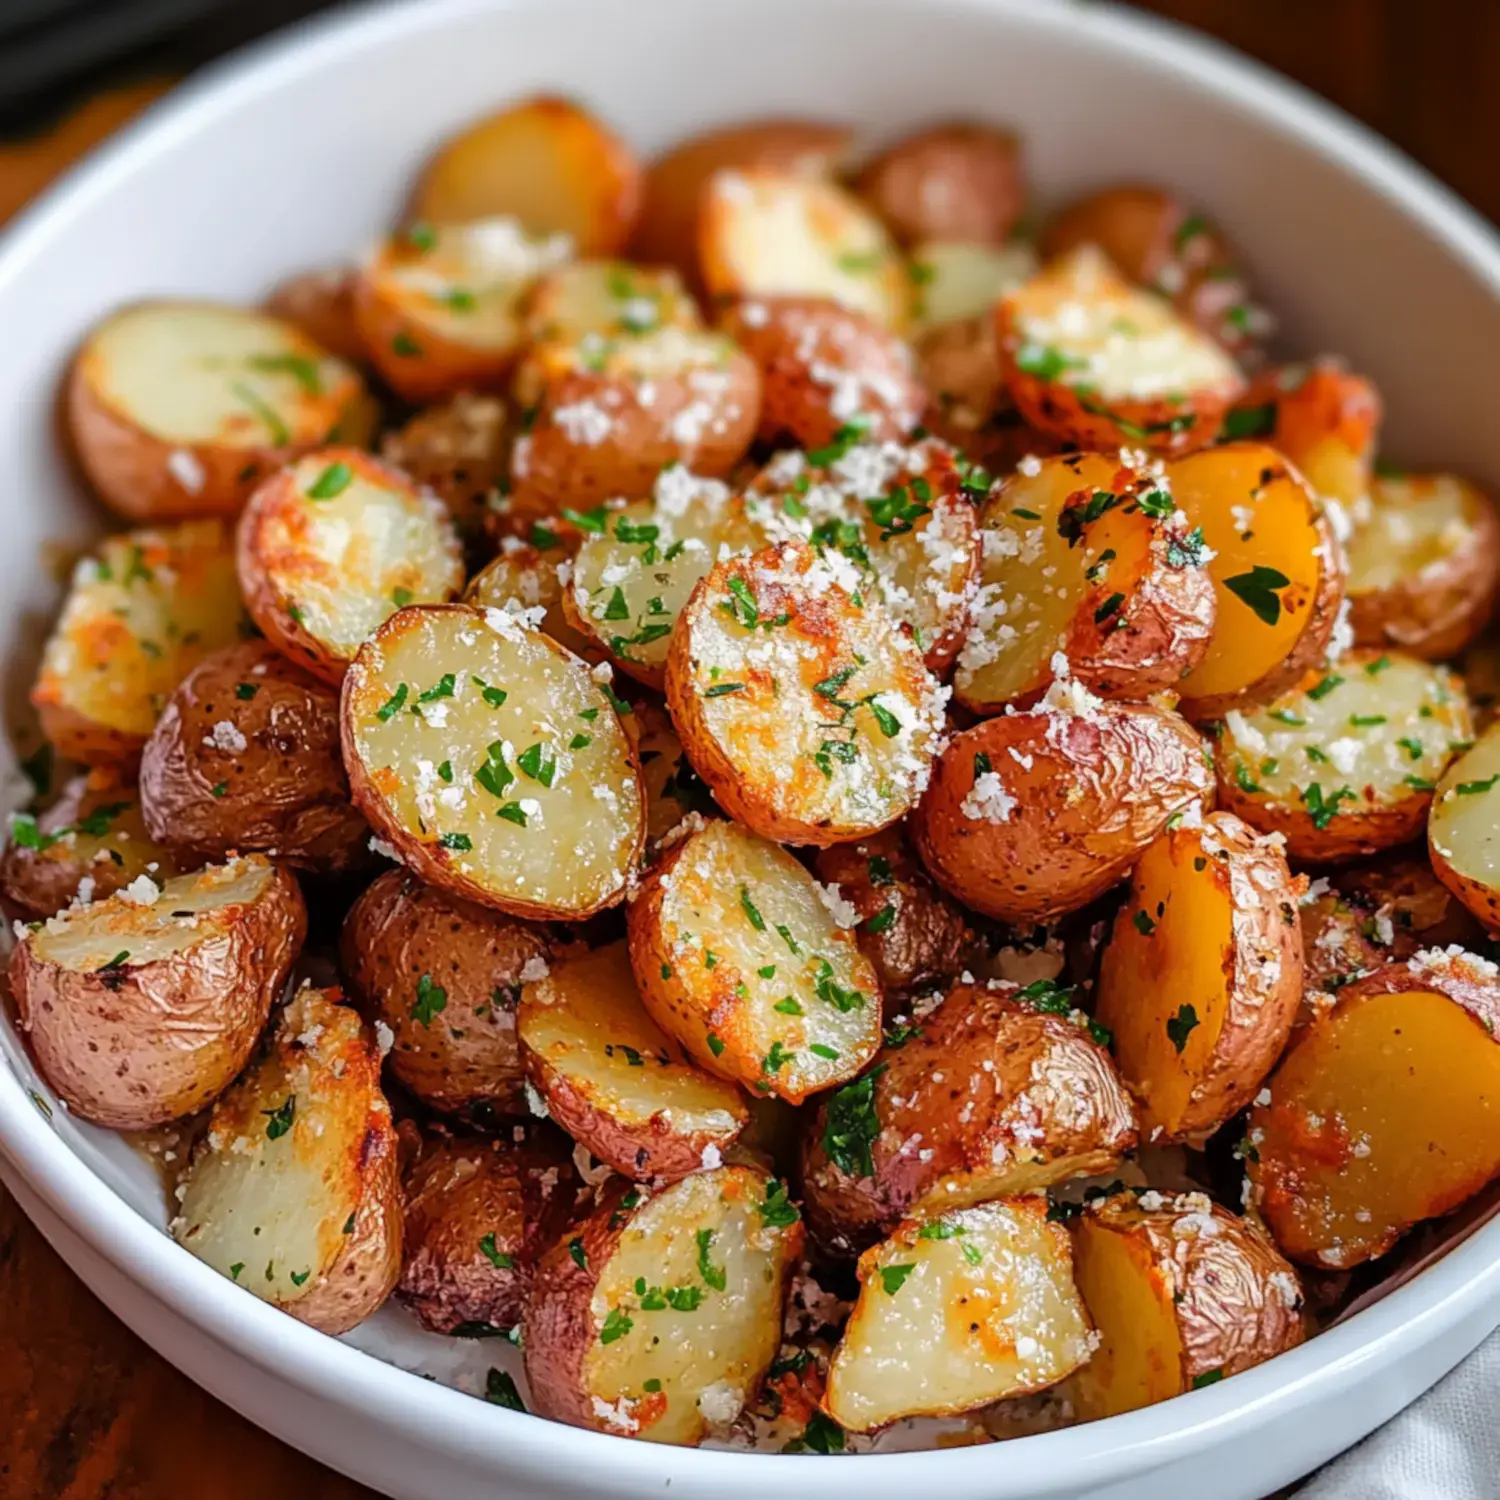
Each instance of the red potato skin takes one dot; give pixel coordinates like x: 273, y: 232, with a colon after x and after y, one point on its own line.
x: 321, y: 304
x: 1327, y: 403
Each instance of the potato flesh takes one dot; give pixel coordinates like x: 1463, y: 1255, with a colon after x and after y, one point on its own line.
x: 607, y: 298
x: 1463, y: 829
x: 579, y: 838
x: 986, y: 1312
x: 525, y: 578
x: 709, y: 1359
x: 1406, y: 526
x: 957, y: 280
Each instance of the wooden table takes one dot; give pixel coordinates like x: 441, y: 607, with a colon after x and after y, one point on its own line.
x: 87, y: 1412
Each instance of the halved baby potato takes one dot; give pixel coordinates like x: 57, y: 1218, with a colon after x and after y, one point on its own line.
x: 1463, y: 834
x: 658, y: 1315
x: 1346, y: 763
x: 545, y: 163
x: 958, y: 1311
x: 614, y: 1080
x: 769, y: 233
x: 321, y: 304
x: 1124, y: 594
x: 139, y: 615
x: 334, y: 545
x: 608, y: 299
x: 739, y: 956
x: 142, y: 1007
x: 805, y: 707
x: 494, y: 764
x: 959, y: 281
x: 1100, y: 363
x: 1277, y: 571
x: 1202, y: 975
x: 1383, y: 1114
x: 523, y: 580
x: 178, y: 409
x: 293, y: 1192
x: 1182, y: 1293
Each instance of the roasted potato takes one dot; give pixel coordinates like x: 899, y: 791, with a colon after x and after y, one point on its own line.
x: 1127, y: 599
x: 178, y: 409
x: 1462, y: 833
x: 493, y: 763
x: 139, y: 614
x: 334, y: 545
x: 675, y: 793
x: 614, y: 1080
x: 1382, y: 1114
x: 956, y: 1312
x: 1097, y: 362
x: 999, y: 1090
x: 959, y: 282
x: 1182, y: 1293
x: 1034, y: 814
x: 142, y: 1007
x: 1202, y: 976
x: 321, y: 304
x: 479, y: 1214
x: 744, y: 959
x: 245, y: 759
x: 1277, y: 571
x: 87, y: 845
x: 545, y: 163
x: 658, y: 1315
x: 297, y: 1173
x: 1345, y: 763
x: 607, y: 299
x: 524, y: 580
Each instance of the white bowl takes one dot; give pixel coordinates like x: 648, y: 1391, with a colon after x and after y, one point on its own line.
x: 299, y: 152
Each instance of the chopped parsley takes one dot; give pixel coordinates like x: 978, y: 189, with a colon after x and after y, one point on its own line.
x: 1181, y: 1026
x: 1258, y: 590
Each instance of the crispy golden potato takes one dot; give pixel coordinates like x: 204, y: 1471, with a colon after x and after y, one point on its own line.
x: 1034, y: 814
x: 959, y: 281
x: 321, y: 304
x: 1182, y: 1292
x: 87, y: 845
x: 1424, y: 564
x: 178, y: 409
x: 1127, y: 599
x: 1383, y: 1114
x: 1202, y: 976
x: 297, y: 1173
x: 956, y: 181
x: 142, y: 1007
x: 614, y: 1080
x: 544, y: 162
x: 1277, y: 571
x: 139, y: 615
x: 444, y: 977
x: 744, y: 959
x: 479, y: 1214
x: 675, y: 793
x: 807, y: 710
x: 659, y: 1314
x: 608, y: 299
x: 1097, y: 362
x: 1462, y: 833
x: 245, y: 759
x: 999, y: 1090
x: 1345, y: 763
x: 491, y: 760
x: 525, y: 579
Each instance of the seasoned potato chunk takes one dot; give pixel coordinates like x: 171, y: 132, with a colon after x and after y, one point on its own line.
x: 321, y: 304
x: 525, y: 578
x: 959, y: 281
x: 606, y: 298
x: 1462, y: 833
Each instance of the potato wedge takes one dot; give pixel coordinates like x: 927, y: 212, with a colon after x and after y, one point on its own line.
x: 1345, y: 764
x: 524, y: 579
x: 142, y: 1007
x: 614, y: 1080
x: 659, y: 1314
x: 956, y: 1312
x: 139, y: 615
x: 297, y: 1173
x: 178, y: 409
x: 1424, y: 564
x: 1383, y: 1114
x: 1202, y: 976
x: 1277, y: 570
x: 675, y: 793
x: 740, y: 958
x: 492, y: 762
x: 87, y: 845
x: 1182, y: 1293
x: 544, y: 162
x: 444, y: 977
x: 1461, y: 829
x: 479, y: 1214
x: 333, y: 546
x: 1034, y: 814
x: 321, y: 304
x: 608, y: 299
x: 811, y: 716
x: 769, y: 233
x: 1126, y: 598
x: 245, y: 759
x: 1100, y: 363
x: 959, y: 281
x: 999, y: 1090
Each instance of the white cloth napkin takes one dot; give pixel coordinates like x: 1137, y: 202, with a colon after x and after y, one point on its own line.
x: 1446, y: 1446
